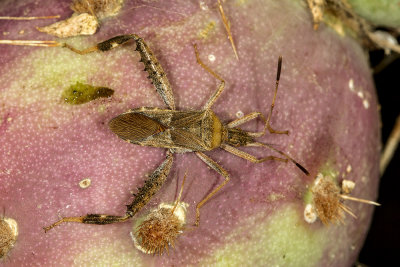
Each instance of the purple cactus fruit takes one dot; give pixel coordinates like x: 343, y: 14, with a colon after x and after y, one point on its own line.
x: 60, y: 159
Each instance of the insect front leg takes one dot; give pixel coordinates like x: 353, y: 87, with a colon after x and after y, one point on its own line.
x: 215, y: 166
x: 247, y: 156
x: 152, y: 66
x: 247, y: 118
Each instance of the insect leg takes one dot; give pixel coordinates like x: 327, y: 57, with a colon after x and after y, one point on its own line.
x: 258, y: 144
x: 90, y: 219
x: 247, y: 156
x: 247, y: 118
x: 151, y: 186
x: 215, y: 166
x: 221, y: 86
x: 156, y: 72
x: 151, y: 65
x: 103, y: 46
x: 278, y: 75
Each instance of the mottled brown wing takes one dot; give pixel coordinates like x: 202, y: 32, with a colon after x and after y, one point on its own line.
x: 135, y: 126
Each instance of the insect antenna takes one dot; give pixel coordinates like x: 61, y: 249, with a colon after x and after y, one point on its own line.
x: 258, y: 144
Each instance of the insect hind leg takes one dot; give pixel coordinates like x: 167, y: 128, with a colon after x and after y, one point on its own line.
x: 152, y: 66
x: 104, y: 46
x: 100, y: 219
x: 152, y: 185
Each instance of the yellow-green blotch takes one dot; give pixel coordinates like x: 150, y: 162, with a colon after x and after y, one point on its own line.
x: 80, y: 93
x: 282, y: 240
x: 106, y: 253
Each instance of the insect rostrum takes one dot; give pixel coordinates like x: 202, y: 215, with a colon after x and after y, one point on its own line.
x: 178, y: 131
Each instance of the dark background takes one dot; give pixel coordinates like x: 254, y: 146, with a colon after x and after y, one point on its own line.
x: 382, y: 246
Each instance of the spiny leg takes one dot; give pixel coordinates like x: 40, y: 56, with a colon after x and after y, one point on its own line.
x: 215, y: 166
x: 105, y: 45
x: 278, y: 75
x: 247, y: 156
x: 258, y: 144
x: 221, y: 86
x: 151, y: 186
x: 152, y: 66
x: 90, y: 219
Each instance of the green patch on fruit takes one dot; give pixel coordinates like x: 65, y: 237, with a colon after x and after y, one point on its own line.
x: 107, y: 252
x: 379, y: 12
x: 80, y: 93
x: 329, y: 169
x: 38, y: 77
x: 282, y: 240
x: 62, y: 66
x: 308, y: 197
x: 42, y: 73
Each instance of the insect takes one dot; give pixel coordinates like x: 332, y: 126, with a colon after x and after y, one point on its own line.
x: 179, y: 131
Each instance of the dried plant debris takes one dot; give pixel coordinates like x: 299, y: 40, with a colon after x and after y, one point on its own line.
x: 99, y: 8
x: 207, y: 30
x: 82, y: 24
x: 8, y: 235
x: 85, y: 20
x: 85, y: 183
x: 390, y: 147
x: 227, y: 25
x: 161, y: 227
x: 29, y: 18
x: 339, y: 15
x: 385, y: 40
x: 327, y: 200
x: 348, y: 186
x: 317, y: 11
x: 31, y: 43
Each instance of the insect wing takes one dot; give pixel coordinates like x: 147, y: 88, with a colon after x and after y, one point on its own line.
x: 135, y: 126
